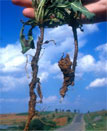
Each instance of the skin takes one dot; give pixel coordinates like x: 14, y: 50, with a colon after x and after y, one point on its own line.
x: 99, y: 7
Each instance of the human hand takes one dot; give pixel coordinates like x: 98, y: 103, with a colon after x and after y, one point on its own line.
x: 99, y: 7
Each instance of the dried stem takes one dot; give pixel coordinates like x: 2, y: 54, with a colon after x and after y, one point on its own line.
x: 32, y: 85
x: 76, y: 49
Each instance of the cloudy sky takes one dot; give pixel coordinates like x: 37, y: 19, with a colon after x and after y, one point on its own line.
x: 89, y: 92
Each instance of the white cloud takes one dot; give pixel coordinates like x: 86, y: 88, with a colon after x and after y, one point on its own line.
x: 90, y: 28
x: 58, y: 76
x: 99, y: 82
x: 43, y: 76
x: 59, y: 33
x: 2, y: 100
x: 101, y: 67
x: 46, y: 68
x: 50, y: 99
x: 11, y: 58
x: 10, y: 83
x: 102, y: 47
x: 54, y: 68
x: 88, y: 63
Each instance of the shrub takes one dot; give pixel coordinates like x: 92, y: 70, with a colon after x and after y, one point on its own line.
x: 36, y: 124
x: 42, y: 124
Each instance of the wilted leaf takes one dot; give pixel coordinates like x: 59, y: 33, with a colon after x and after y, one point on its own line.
x: 26, y: 44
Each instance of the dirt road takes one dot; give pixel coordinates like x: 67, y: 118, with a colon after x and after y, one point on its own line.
x: 77, y: 124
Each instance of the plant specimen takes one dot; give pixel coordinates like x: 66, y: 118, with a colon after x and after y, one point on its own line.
x: 50, y: 14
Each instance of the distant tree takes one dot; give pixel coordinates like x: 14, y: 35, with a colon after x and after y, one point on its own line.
x: 68, y: 110
x: 75, y: 111
x: 56, y: 110
x: 88, y: 111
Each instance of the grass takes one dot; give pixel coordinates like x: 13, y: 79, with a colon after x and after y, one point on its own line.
x: 36, y: 124
x: 22, y: 114
x: 96, y: 121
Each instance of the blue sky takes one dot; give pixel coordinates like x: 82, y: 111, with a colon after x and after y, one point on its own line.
x: 89, y: 92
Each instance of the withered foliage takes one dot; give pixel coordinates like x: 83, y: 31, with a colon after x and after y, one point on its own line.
x: 39, y: 91
x: 68, y: 74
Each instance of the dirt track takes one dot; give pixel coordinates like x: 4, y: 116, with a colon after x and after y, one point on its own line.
x: 77, y: 124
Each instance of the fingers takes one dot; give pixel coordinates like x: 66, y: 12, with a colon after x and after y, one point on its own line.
x: 24, y: 3
x: 29, y: 12
x: 99, y: 8
x: 95, y: 6
x: 85, y: 2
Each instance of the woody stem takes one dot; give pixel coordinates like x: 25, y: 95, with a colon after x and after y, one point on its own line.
x: 32, y: 85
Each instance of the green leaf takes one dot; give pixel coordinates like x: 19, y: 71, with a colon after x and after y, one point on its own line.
x: 26, y: 44
x: 77, y: 6
x: 63, y: 10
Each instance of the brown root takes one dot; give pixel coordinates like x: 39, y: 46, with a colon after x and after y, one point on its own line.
x: 68, y: 74
x: 34, y: 81
x: 65, y: 66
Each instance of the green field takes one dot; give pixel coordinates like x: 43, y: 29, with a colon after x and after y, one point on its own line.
x: 96, y: 121
x: 42, y: 121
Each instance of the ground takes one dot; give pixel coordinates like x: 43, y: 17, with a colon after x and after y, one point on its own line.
x: 64, y: 121
x: 15, y: 120
x: 76, y: 125
x: 96, y: 121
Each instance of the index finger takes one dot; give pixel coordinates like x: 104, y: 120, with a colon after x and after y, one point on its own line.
x: 24, y: 3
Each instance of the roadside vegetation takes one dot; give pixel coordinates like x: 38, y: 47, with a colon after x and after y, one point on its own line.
x: 42, y: 120
x: 96, y: 121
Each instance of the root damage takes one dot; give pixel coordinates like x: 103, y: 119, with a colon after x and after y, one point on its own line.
x: 68, y: 74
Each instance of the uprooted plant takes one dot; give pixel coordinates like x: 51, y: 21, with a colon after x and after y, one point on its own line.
x: 50, y: 14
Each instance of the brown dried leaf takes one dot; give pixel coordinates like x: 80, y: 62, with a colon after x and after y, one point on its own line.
x: 39, y: 91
